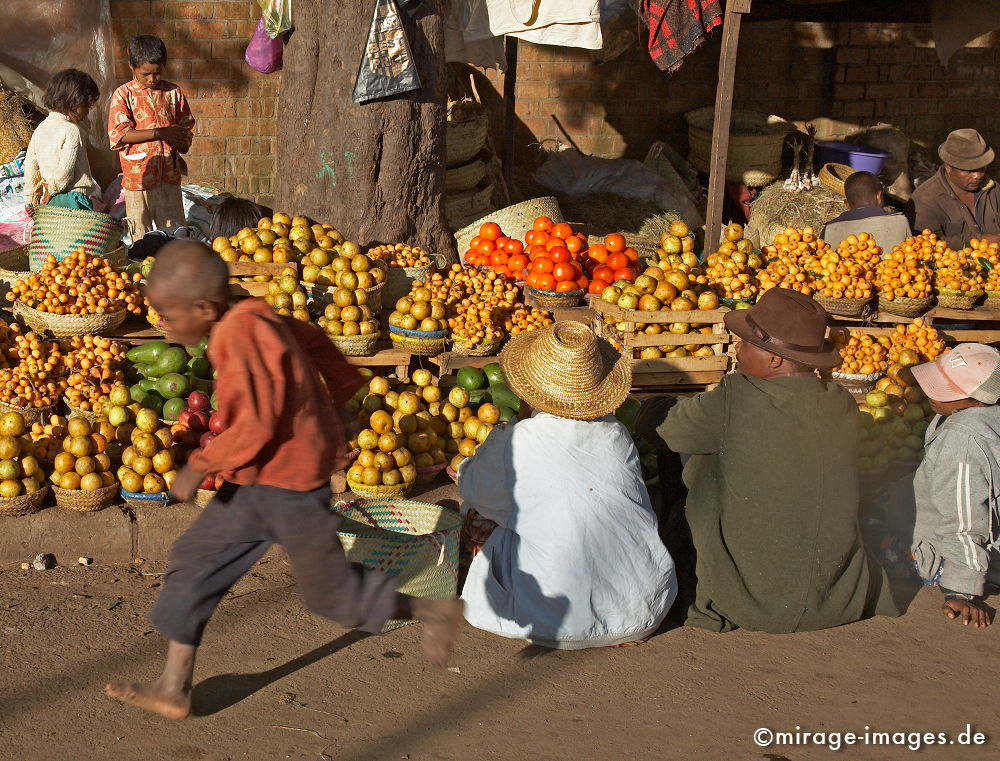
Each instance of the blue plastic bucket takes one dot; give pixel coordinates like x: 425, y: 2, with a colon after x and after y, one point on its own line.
x: 863, y: 158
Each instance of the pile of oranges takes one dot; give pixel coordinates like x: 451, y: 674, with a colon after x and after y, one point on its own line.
x: 80, y: 284
x: 863, y: 354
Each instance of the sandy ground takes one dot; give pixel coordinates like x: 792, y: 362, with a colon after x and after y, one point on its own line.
x: 275, y: 682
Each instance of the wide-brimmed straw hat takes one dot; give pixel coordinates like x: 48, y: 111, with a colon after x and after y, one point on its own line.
x: 789, y: 324
x: 568, y: 371
x: 966, y: 149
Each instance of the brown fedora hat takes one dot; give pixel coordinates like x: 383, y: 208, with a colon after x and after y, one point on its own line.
x: 789, y: 324
x: 966, y: 149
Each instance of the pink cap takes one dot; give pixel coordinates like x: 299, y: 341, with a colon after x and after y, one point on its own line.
x: 969, y: 371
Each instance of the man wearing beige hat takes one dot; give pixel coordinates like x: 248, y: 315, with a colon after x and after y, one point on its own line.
x: 959, y: 203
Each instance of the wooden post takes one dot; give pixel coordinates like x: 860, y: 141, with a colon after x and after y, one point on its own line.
x: 509, y: 110
x: 723, y: 119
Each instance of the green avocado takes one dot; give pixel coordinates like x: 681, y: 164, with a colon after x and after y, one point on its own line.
x: 200, y: 367
x: 173, y: 385
x: 147, y: 384
x: 199, y: 349
x: 471, y: 378
x: 493, y: 373
x: 147, y: 353
x: 479, y: 396
x: 502, y: 396
x: 172, y: 360
x: 506, y: 414
x: 148, y: 399
x: 201, y: 384
x: 215, y: 402
x: 172, y: 408
x: 627, y: 412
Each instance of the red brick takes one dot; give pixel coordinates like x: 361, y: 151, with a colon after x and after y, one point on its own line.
x: 130, y: 9
x: 849, y: 92
x: 205, y: 30
x: 226, y: 127
x: 861, y: 74
x: 887, y: 90
x: 531, y: 90
x: 201, y: 10
x: 859, y: 109
x: 241, y: 29
x: 234, y: 10
x: 852, y: 55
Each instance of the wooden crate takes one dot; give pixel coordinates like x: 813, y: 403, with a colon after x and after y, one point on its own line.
x: 255, y: 269
x: 940, y: 318
x: 669, y: 372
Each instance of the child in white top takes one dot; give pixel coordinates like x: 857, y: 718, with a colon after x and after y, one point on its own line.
x: 56, y: 168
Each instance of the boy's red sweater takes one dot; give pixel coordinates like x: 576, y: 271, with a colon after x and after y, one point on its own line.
x: 282, y: 425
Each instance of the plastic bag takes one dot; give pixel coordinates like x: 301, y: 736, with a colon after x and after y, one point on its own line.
x: 277, y: 15
x: 387, y: 67
x: 264, y: 54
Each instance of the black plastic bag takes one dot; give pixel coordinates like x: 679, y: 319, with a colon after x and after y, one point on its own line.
x: 387, y: 66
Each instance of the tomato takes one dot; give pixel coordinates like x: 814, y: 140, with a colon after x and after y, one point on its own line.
x: 537, y: 251
x: 598, y: 252
x: 564, y: 271
x: 632, y: 254
x: 565, y: 286
x: 498, y: 258
x: 532, y: 279
x: 625, y: 273
x: 503, y: 270
x: 597, y: 285
x: 474, y: 243
x: 513, y: 246
x: 559, y: 254
x: 583, y: 282
x: 615, y: 242
x: 578, y: 267
x: 575, y: 244
x: 546, y: 283
x: 554, y: 242
x: 543, y: 265
x: 490, y: 231
x: 542, y: 223
x: 604, y: 272
x: 517, y: 263
x: 618, y: 261
x: 482, y: 260
x: 470, y: 255
x: 562, y: 230
x: 486, y: 247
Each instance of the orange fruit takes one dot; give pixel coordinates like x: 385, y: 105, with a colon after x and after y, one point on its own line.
x: 542, y: 224
x: 615, y: 242
x: 490, y: 231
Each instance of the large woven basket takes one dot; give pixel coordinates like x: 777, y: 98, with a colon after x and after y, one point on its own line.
x: 904, y: 307
x: 58, y: 232
x: 992, y: 300
x: 18, y: 118
x: 755, y: 144
x: 421, y: 343
x: 466, y: 205
x: 66, y: 325
x: 414, y: 541
x: 468, y: 127
x: 77, y: 412
x: 483, y: 349
x: 380, y: 491
x: 26, y: 504
x: 86, y: 501
x: 203, y: 496
x: 514, y: 220
x: 400, y: 279
x: 833, y: 176
x: 549, y: 300
x: 464, y: 177
x: 13, y: 267
x: 356, y: 346
x: 842, y: 307
x: 31, y: 415
x: 957, y: 299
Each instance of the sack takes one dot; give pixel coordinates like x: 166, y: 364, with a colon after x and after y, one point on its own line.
x: 277, y: 15
x: 387, y: 67
x: 264, y: 54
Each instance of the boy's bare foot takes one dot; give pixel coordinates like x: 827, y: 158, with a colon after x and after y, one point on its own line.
x: 152, y: 697
x: 441, y: 619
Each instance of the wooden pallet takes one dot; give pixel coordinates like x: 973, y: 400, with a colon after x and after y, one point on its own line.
x: 255, y: 269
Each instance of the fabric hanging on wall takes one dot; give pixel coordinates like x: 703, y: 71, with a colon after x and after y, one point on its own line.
x: 567, y: 23
x: 677, y: 27
x: 956, y: 23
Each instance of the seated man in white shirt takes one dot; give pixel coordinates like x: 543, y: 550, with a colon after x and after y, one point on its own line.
x: 864, y: 197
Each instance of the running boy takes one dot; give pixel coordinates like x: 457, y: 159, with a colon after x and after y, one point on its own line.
x: 150, y: 125
x: 956, y: 538
x: 283, y: 441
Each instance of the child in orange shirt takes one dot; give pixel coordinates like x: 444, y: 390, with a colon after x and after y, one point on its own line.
x: 150, y: 125
x: 282, y: 390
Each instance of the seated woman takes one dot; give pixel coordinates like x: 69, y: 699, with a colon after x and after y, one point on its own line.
x: 575, y: 560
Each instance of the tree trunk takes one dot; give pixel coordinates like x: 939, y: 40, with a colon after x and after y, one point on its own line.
x: 376, y: 170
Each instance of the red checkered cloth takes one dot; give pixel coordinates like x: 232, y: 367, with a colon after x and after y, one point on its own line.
x: 677, y: 27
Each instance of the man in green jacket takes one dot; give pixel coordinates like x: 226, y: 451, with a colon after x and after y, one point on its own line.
x: 772, y: 533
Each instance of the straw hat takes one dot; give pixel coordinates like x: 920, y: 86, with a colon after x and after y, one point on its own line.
x: 966, y: 149
x: 567, y: 371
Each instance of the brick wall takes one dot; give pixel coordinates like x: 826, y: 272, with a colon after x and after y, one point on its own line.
x: 233, y: 105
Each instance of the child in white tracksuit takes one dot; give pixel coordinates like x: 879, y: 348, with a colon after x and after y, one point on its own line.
x: 956, y: 538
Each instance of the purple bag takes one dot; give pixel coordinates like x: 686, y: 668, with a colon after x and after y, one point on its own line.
x: 264, y: 54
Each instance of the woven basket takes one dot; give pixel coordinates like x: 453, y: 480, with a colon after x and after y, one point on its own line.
x: 421, y: 343
x: 483, y: 349
x: 203, y: 496
x: 18, y: 118
x: 832, y: 177
x: 858, y: 385
x: 428, y: 473
x: 324, y: 295
x: 468, y: 126
x: 904, y: 307
x: 86, y: 501
x: 66, y: 325
x: 992, y: 300
x: 842, y: 307
x: 514, y: 220
x: 141, y: 499
x: 77, y: 412
x: 380, y: 491
x: 400, y: 279
x: 462, y: 207
x: 356, y: 346
x: 26, y: 504
x: 414, y: 541
x: 755, y: 144
x: 13, y: 266
x: 58, y: 232
x: 464, y: 177
x: 31, y: 415
x: 957, y: 299
x: 549, y: 300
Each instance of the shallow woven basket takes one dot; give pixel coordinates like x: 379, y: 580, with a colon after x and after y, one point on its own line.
x: 13, y: 266
x: 464, y: 205
x: 514, y: 220
x: 482, y: 349
x: 842, y: 307
x: 356, y: 346
x: 418, y: 342
x: 428, y: 473
x: 464, y: 177
x: 832, y: 177
x: 380, y: 491
x: 86, y: 501
x: 66, y: 325
x: 466, y: 131
x: 756, y: 142
x: 141, y: 499
x: 26, y: 504
x: 77, y: 412
x: 992, y: 300
x: 549, y: 300
x: 31, y: 415
x: 203, y: 496
x: 858, y: 385
x: 957, y: 299
x: 416, y: 542
x: 905, y: 307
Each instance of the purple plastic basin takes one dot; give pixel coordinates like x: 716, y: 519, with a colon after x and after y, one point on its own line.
x: 863, y: 158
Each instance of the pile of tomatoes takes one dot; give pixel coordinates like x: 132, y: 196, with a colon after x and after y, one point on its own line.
x: 553, y: 258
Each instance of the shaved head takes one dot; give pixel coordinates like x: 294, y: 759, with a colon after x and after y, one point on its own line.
x: 189, y: 271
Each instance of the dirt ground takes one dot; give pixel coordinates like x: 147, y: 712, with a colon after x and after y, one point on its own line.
x: 275, y: 682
